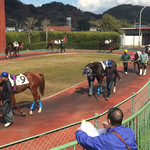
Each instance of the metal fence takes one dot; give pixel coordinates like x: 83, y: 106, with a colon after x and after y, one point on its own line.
x: 136, y: 110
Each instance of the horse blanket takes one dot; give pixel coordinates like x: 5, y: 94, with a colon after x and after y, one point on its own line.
x: 57, y: 41
x: 16, y: 44
x: 20, y: 79
x: 104, y: 64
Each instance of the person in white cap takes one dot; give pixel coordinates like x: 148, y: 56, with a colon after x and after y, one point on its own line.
x: 143, y: 62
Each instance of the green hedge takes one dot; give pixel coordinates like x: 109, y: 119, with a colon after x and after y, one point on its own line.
x: 76, y: 40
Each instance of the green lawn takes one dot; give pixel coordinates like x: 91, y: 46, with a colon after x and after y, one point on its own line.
x: 61, y: 70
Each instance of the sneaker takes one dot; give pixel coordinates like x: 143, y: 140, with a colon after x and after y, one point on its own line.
x: 8, y: 124
x: 107, y: 98
x: 125, y: 72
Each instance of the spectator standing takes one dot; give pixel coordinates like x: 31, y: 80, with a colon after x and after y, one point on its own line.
x: 125, y: 58
x: 143, y: 62
x: 6, y: 109
x: 117, y: 137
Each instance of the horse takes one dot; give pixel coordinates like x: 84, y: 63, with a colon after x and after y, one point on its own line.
x: 109, y: 43
x: 135, y: 59
x: 32, y: 81
x: 52, y: 43
x: 13, y: 48
x: 147, y: 49
x: 97, y: 70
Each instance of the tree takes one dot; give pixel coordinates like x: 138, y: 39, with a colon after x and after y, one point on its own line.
x: 45, y: 23
x: 110, y: 23
x: 31, y: 21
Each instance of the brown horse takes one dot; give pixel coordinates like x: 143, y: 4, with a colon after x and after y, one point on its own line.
x: 35, y: 80
x: 13, y: 48
x: 52, y: 43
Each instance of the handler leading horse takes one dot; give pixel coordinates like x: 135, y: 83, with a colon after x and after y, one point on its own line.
x: 97, y: 70
x: 35, y: 80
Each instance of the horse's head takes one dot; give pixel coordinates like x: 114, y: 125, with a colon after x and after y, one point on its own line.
x: 88, y: 71
x: 132, y: 57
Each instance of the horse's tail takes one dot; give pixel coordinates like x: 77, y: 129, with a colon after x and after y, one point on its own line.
x: 47, y: 46
x: 42, y: 84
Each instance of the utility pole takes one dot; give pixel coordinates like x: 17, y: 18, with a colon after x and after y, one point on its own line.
x: 2, y: 27
x: 140, y: 25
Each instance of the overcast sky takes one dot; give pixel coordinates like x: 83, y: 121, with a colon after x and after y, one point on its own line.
x: 95, y: 6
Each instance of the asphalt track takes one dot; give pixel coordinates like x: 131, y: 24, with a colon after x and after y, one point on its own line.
x: 68, y: 106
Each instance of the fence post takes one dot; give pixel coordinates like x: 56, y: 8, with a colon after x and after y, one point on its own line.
x: 132, y: 109
x: 148, y: 89
x: 96, y: 120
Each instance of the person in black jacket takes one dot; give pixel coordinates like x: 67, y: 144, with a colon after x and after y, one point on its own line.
x: 6, y: 94
x: 111, y: 74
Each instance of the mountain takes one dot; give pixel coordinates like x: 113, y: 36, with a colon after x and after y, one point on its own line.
x: 16, y: 14
x: 130, y: 13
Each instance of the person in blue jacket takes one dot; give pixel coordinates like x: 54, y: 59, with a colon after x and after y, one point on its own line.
x: 109, y: 140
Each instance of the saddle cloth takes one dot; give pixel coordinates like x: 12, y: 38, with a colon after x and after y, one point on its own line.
x: 16, y: 44
x: 57, y: 41
x: 20, y: 79
x: 104, y: 64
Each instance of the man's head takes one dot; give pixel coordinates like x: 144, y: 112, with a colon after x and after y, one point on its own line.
x: 4, y: 74
x: 109, y: 63
x: 115, y: 116
x: 125, y: 51
x: 143, y: 50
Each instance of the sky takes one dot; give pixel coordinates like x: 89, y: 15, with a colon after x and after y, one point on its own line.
x: 94, y: 6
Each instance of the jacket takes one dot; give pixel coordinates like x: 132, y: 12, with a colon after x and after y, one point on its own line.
x: 111, y: 73
x: 6, y: 90
x: 108, y: 140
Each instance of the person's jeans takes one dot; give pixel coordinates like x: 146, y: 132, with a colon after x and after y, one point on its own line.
x: 109, y: 85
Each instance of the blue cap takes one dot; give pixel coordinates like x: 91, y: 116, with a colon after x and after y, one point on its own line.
x: 143, y: 50
x: 109, y: 62
x: 4, y: 74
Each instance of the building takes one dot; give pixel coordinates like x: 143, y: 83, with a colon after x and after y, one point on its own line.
x: 130, y: 36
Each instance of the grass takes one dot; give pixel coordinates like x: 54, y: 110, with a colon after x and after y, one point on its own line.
x: 61, y: 71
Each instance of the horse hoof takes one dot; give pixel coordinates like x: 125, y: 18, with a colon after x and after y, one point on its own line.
x: 97, y: 97
x: 40, y: 110
x: 24, y: 114
x: 30, y: 112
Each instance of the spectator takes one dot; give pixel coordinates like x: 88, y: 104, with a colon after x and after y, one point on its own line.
x: 111, y: 73
x: 143, y: 62
x: 125, y: 58
x: 109, y: 140
x: 6, y: 109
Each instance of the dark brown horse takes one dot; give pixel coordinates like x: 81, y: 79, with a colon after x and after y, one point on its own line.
x: 97, y: 70
x: 135, y: 59
x: 13, y: 49
x: 52, y: 43
x: 107, y: 44
x: 35, y: 80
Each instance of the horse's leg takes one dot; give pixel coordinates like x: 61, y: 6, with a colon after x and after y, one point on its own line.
x: 36, y: 97
x: 15, y: 105
x: 100, y: 90
x: 134, y: 68
x: 114, y: 90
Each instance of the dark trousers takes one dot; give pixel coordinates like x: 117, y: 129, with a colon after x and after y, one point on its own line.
x: 125, y: 65
x: 143, y: 65
x: 91, y: 85
x: 109, y: 85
